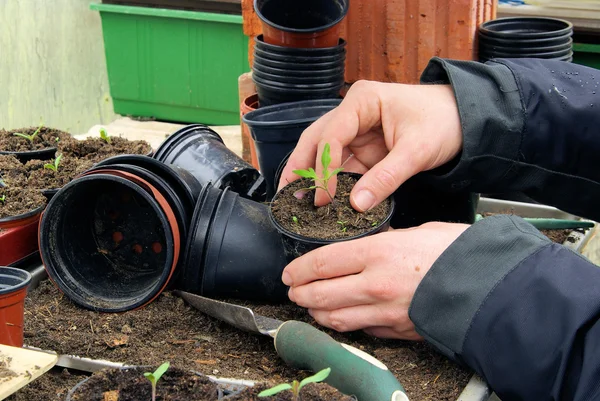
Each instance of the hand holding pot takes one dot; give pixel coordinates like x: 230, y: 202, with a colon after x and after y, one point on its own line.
x: 393, y: 131
x: 369, y: 283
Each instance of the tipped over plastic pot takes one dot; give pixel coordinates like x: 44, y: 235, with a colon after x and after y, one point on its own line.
x: 276, y: 130
x: 110, y: 240
x: 13, y: 288
x: 233, y: 250
x: 201, y: 151
x: 301, y: 24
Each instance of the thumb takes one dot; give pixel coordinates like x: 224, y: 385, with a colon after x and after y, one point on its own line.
x: 383, y: 179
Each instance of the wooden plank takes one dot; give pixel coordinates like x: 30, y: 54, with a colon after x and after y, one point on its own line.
x: 19, y: 367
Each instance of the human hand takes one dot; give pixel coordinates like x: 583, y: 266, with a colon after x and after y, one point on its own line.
x: 370, y: 282
x: 393, y: 131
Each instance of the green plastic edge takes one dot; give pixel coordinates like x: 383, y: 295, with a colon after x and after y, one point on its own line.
x: 586, y: 47
x: 167, y: 13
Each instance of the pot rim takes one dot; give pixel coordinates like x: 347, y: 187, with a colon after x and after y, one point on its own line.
x: 328, y: 65
x: 21, y: 219
x: 319, y: 241
x: 29, y: 152
x: 20, y: 274
x: 488, y: 27
x: 285, y: 106
x: 260, y: 39
x: 345, y: 6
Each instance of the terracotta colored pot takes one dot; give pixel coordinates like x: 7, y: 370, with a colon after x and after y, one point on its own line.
x: 17, y: 243
x: 13, y: 288
x: 22, y: 219
x: 301, y: 24
x: 249, y: 104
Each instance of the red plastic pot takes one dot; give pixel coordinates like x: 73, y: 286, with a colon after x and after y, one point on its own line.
x: 301, y: 24
x: 249, y: 104
x: 13, y: 288
x: 18, y: 243
x: 22, y: 219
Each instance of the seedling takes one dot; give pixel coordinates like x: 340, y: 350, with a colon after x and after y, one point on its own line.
x: 155, y: 377
x: 373, y: 224
x: 320, y: 182
x: 296, y: 386
x: 343, y: 224
x: 53, y: 166
x: 3, y: 198
x: 31, y: 137
x: 295, y: 220
x: 104, y: 135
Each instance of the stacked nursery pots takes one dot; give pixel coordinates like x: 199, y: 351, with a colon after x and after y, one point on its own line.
x: 526, y: 37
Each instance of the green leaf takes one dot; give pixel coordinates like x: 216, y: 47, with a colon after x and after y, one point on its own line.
x: 161, y: 370
x: 150, y: 377
x: 306, y: 173
x: 316, y: 378
x: 57, y: 161
x: 326, y: 157
x: 336, y: 171
x: 28, y: 137
x: 50, y: 166
x: 274, y: 390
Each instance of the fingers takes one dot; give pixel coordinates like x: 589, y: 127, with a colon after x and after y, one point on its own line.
x: 388, y: 332
x: 336, y: 293
x: 335, y: 260
x: 363, y: 317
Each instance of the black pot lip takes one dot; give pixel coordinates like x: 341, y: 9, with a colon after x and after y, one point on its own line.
x: 517, y: 50
x: 169, y: 236
x: 317, y: 241
x: 47, y: 152
x: 285, y: 79
x: 345, y: 5
x: 297, y: 73
x: 258, y: 59
x: 299, y: 92
x: 521, y: 42
x: 547, y: 56
x: 303, y: 87
x: 22, y: 275
x: 490, y: 27
x: 173, y: 139
x: 26, y: 215
x: 304, y: 104
x: 260, y: 41
x: 300, y: 59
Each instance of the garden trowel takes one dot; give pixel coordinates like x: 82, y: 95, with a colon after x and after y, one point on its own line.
x: 302, y: 346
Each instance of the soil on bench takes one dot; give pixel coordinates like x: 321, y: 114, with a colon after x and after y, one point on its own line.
x: 46, y: 138
x: 170, y: 330
x: 97, y: 149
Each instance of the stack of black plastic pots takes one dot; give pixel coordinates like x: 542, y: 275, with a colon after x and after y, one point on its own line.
x: 286, y: 74
x: 114, y: 238
x: 526, y: 37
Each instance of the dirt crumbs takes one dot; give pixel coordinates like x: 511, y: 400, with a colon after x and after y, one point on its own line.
x: 40, y: 138
x: 311, y: 392
x: 16, y: 201
x: 170, y: 330
x: 97, y: 149
x: 5, y: 372
x: 52, y: 386
x: 336, y: 220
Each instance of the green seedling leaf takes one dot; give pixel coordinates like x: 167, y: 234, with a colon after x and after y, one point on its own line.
x: 104, y: 135
x: 54, y: 166
x: 295, y: 219
x: 28, y: 137
x: 310, y: 173
x: 3, y: 198
x: 316, y: 378
x: 155, y: 377
x: 275, y: 390
x: 326, y: 157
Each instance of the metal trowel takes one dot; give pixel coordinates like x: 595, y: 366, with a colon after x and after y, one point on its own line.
x: 302, y: 346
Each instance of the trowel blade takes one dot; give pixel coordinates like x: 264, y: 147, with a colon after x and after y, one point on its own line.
x: 236, y: 315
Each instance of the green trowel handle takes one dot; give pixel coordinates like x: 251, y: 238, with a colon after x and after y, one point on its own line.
x: 353, y: 372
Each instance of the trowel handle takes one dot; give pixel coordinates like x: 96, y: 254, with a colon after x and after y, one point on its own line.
x: 353, y: 371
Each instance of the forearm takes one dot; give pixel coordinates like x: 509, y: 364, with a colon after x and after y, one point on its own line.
x: 519, y: 310
x: 528, y: 126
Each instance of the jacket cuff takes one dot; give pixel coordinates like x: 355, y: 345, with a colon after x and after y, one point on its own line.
x: 492, y: 119
x: 452, y: 292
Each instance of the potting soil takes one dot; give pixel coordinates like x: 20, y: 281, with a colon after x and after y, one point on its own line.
x: 46, y: 138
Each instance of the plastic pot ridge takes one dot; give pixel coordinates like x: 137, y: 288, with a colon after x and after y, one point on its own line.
x: 13, y: 288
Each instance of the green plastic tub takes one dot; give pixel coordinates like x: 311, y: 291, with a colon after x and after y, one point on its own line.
x: 587, y: 54
x: 174, y: 65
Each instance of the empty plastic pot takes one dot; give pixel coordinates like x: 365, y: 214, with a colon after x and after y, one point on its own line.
x: 526, y: 28
x: 13, y: 288
x: 298, y: 73
x: 287, y: 65
x: 249, y: 104
x: 110, y: 240
x: 303, y: 24
x: 276, y: 130
x: 233, y: 250
x: 201, y: 151
x: 285, y: 57
x: 293, y: 51
x: 269, y: 95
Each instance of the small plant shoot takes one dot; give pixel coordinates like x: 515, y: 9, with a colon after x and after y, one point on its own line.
x: 54, y: 165
x: 320, y: 182
x: 295, y: 220
x: 104, y: 135
x: 155, y: 377
x: 296, y: 386
x: 3, y: 198
x: 31, y: 137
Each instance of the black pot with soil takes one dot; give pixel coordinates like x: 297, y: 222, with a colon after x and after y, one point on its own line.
x: 19, y: 207
x: 201, y: 151
x: 31, y: 143
x: 233, y: 250
x: 304, y: 227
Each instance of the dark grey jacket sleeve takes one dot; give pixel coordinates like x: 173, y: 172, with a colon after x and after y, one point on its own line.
x: 521, y: 311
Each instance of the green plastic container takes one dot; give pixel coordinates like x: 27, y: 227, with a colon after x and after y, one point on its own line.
x: 586, y: 54
x: 174, y: 65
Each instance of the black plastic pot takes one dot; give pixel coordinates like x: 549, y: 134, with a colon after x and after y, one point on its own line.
x: 298, y: 73
x: 296, y: 245
x: 201, y: 151
x: 491, y: 46
x: 294, y: 51
x: 269, y: 95
x: 548, y: 55
x: 110, y: 240
x: 276, y: 130
x: 526, y: 28
x: 323, y: 79
x: 24, y: 157
x: 518, y: 43
x: 233, y: 250
x: 287, y: 58
x: 302, y: 86
x: 284, y: 65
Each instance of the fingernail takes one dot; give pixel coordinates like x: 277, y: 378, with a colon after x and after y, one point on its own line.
x: 310, y: 312
x: 286, y: 278
x: 291, y: 295
x: 364, y: 200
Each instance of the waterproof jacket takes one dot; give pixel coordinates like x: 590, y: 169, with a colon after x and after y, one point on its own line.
x: 521, y: 311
